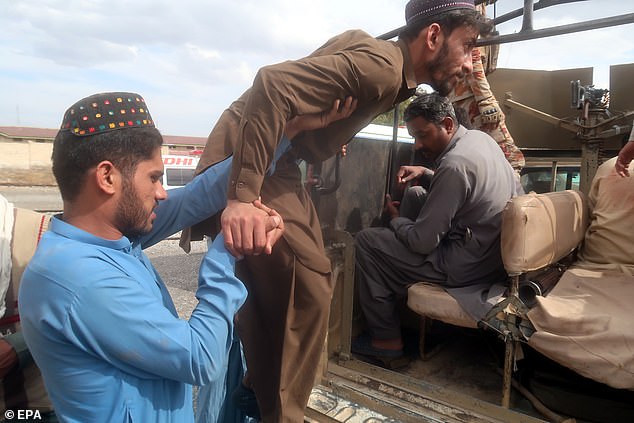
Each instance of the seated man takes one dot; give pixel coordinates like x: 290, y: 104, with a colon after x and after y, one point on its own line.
x: 454, y: 241
x: 95, y: 314
x: 585, y: 322
x: 608, y: 242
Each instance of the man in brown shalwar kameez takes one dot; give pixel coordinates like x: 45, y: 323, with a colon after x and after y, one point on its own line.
x: 283, y: 323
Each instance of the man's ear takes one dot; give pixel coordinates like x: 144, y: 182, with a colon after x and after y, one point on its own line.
x: 433, y: 39
x: 107, y: 177
x: 449, y: 124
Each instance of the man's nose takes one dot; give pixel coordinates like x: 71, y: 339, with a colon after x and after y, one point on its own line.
x: 467, y: 65
x: 161, y: 192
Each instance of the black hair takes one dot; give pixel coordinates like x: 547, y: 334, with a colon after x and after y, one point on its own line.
x: 448, y: 22
x: 463, y: 117
x: 73, y: 155
x: 431, y: 106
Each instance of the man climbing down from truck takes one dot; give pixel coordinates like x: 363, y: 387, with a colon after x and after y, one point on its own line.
x: 283, y: 323
x: 455, y: 239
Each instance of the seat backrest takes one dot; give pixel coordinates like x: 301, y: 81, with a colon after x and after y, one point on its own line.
x: 541, y: 229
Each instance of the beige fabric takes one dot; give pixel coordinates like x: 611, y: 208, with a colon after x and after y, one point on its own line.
x: 6, y: 225
x: 27, y: 231
x: 540, y: 229
x: 585, y: 323
x: 23, y: 389
x: 609, y: 244
x: 28, y: 227
x: 433, y: 301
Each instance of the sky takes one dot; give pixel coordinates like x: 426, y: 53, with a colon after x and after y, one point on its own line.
x: 190, y: 59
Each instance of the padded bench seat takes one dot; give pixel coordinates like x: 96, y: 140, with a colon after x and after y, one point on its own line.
x: 537, y: 231
x: 434, y: 302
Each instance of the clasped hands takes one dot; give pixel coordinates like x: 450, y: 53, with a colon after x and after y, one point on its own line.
x: 250, y: 228
x: 253, y: 228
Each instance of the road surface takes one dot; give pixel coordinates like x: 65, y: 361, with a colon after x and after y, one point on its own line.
x: 45, y: 199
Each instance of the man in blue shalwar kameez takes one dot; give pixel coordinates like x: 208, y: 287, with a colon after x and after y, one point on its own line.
x: 96, y: 315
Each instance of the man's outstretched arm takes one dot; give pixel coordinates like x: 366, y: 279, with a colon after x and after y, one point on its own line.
x: 243, y: 223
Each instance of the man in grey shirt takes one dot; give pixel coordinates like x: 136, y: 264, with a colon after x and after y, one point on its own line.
x: 454, y: 241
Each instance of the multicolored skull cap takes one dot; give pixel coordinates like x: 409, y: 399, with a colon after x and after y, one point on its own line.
x: 105, y: 112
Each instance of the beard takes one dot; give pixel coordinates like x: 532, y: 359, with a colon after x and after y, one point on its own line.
x: 131, y: 217
x: 438, y: 65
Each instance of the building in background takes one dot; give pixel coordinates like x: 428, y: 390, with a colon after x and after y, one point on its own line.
x: 26, y: 154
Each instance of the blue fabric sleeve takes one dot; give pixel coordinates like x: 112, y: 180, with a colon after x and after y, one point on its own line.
x: 203, y: 197
x: 283, y: 147
x: 123, y: 324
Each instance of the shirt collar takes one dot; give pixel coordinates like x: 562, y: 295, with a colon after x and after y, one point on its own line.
x: 460, y: 131
x: 408, y: 66
x: 72, y: 232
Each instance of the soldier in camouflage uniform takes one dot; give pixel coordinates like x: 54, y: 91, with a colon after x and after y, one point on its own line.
x: 473, y: 95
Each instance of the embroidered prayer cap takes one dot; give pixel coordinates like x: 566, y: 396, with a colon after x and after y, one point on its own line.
x: 105, y: 112
x: 418, y: 10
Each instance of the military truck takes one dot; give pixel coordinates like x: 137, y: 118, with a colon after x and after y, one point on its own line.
x: 487, y: 372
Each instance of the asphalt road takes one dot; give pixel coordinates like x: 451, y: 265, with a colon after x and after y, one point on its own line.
x: 45, y: 199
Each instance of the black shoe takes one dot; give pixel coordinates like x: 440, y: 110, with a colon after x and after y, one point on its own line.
x: 244, y: 399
